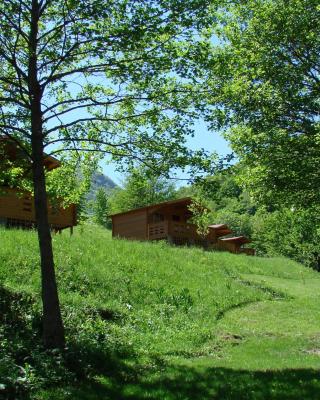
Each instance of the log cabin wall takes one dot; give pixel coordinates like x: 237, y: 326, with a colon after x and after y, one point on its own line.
x: 172, y: 212
x: 171, y: 221
x: 226, y: 246
x: 18, y: 209
x: 134, y: 224
x: 131, y: 225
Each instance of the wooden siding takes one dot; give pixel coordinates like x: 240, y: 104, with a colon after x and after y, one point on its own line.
x: 20, y: 207
x: 171, y: 221
x: 178, y: 210
x: 131, y: 226
x: 228, y: 246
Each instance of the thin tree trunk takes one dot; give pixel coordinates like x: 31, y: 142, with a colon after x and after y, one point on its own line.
x: 53, y: 331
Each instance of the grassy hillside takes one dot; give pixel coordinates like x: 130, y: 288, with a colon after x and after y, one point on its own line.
x: 149, y: 321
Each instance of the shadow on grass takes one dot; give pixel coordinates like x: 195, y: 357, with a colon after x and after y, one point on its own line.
x: 122, y: 374
x: 177, y: 382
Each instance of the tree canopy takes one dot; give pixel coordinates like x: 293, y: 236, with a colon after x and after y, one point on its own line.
x: 141, y: 188
x: 265, y: 75
x: 116, y: 76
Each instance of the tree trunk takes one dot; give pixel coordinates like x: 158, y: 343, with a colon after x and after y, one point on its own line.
x: 53, y: 331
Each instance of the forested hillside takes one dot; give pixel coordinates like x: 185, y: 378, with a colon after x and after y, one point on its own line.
x: 99, y: 181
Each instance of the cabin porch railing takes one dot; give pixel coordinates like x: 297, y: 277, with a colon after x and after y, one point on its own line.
x: 182, y: 230
x: 158, y: 230
x: 184, y: 233
x: 173, y: 230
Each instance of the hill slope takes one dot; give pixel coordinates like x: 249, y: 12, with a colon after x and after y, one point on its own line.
x: 146, y: 320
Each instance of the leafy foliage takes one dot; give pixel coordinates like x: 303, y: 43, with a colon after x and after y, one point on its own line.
x: 141, y: 187
x: 118, y: 77
x: 101, y: 208
x: 265, y: 89
x: 293, y: 233
x: 200, y: 215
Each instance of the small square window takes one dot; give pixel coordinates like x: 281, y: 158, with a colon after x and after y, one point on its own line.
x: 157, y: 217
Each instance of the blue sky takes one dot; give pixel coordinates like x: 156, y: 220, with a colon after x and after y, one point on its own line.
x: 209, y: 140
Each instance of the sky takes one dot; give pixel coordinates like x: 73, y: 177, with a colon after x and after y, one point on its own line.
x: 209, y: 140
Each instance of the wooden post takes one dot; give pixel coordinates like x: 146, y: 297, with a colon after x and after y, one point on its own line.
x: 147, y: 226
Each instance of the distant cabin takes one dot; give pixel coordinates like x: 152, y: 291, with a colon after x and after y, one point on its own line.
x: 170, y: 221
x: 16, y: 206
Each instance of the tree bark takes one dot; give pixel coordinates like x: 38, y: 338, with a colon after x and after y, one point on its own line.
x: 53, y: 331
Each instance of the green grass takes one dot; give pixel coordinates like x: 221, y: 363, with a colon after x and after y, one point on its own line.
x: 149, y: 321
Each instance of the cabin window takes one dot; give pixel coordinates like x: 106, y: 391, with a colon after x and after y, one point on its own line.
x: 156, y: 217
x: 176, y: 218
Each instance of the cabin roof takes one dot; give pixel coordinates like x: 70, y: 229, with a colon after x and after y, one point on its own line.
x: 185, y: 200
x: 237, y: 239
x: 51, y: 162
x: 14, y: 151
x: 219, y: 226
x: 220, y: 229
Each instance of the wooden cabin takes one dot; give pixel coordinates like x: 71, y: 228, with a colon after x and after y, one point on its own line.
x: 234, y: 245
x: 16, y: 206
x: 170, y: 221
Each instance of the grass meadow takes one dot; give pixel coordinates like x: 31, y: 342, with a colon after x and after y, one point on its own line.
x: 150, y: 321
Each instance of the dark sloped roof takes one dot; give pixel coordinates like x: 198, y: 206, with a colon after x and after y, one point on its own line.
x: 185, y: 200
x: 14, y: 152
x: 237, y: 239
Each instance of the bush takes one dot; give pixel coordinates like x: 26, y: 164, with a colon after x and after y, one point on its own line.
x: 289, y: 232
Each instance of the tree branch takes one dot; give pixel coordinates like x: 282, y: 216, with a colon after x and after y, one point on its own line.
x: 14, y: 26
x: 95, y: 141
x: 15, y: 101
x: 92, y: 119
